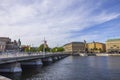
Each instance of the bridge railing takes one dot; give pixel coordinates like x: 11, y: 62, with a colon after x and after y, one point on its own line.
x: 18, y: 54
x: 21, y: 54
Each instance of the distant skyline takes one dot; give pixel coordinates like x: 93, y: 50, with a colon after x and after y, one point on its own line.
x: 59, y: 21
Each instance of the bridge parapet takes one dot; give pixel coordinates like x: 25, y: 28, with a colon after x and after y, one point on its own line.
x: 19, y: 54
x: 27, y: 59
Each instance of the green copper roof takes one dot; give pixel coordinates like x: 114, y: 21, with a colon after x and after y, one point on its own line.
x: 113, y: 39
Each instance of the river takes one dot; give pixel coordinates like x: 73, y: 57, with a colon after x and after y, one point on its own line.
x: 74, y: 68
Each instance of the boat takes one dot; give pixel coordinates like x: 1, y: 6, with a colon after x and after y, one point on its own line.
x: 83, y: 54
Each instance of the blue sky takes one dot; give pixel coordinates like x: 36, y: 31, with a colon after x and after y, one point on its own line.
x: 59, y: 21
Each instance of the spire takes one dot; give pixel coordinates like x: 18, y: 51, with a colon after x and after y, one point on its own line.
x: 93, y: 41
x: 19, y: 42
x: 94, y: 44
x: 85, y: 41
x: 45, y: 41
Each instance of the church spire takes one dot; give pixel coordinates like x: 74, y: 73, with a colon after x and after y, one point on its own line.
x: 19, y: 43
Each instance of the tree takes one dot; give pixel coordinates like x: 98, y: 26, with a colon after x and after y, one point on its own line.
x: 58, y: 49
x: 54, y: 49
x: 100, y: 49
x: 26, y: 50
x: 41, y: 48
x: 33, y: 49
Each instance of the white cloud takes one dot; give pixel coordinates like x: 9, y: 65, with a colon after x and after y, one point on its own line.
x: 32, y: 20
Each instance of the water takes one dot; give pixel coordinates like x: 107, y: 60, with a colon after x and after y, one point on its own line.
x: 74, y: 68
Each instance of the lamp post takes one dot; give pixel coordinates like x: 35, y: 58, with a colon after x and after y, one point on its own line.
x: 84, y: 46
x: 44, y: 46
x: 43, y: 49
x: 29, y: 50
x: 56, y: 50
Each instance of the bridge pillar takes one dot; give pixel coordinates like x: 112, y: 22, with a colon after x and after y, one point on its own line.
x: 63, y: 56
x: 47, y: 61
x: 11, y: 67
x: 55, y: 58
x: 59, y: 57
x: 36, y: 62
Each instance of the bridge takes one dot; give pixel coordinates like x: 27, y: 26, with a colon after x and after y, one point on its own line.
x: 15, y: 62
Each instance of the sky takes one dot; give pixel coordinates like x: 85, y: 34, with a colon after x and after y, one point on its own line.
x: 59, y: 21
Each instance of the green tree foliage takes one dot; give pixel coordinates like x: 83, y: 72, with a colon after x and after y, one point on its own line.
x: 58, y: 49
x: 41, y: 48
x: 32, y: 49
x: 26, y: 49
x: 54, y: 49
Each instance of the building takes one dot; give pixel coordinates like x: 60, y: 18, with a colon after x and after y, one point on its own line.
x: 113, y: 45
x: 6, y: 45
x: 74, y: 47
x: 96, y: 47
x: 2, y: 46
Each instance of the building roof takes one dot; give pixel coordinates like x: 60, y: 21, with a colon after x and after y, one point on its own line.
x: 96, y: 42
x: 74, y: 43
x: 113, y: 40
x: 4, y: 37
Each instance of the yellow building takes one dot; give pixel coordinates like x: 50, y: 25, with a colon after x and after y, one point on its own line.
x: 113, y: 45
x: 74, y: 47
x: 96, y: 47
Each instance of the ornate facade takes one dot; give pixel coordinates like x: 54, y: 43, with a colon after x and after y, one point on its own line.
x: 96, y: 47
x: 7, y: 45
x: 2, y: 46
x: 113, y: 45
x: 74, y: 47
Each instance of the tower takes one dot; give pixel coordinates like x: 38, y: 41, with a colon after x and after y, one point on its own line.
x: 85, y: 46
x: 94, y: 44
x: 44, y: 45
x: 19, y: 44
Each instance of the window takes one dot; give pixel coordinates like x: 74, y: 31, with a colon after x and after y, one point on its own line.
x: 114, y: 45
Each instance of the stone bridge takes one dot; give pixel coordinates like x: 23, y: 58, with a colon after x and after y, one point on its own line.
x: 17, y: 61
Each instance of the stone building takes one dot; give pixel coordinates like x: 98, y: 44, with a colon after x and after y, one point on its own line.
x: 6, y: 45
x: 74, y: 47
x: 2, y: 46
x: 96, y: 47
x: 113, y: 45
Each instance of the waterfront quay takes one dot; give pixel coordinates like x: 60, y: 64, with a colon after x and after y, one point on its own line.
x: 15, y: 62
x: 107, y: 54
x: 96, y: 54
